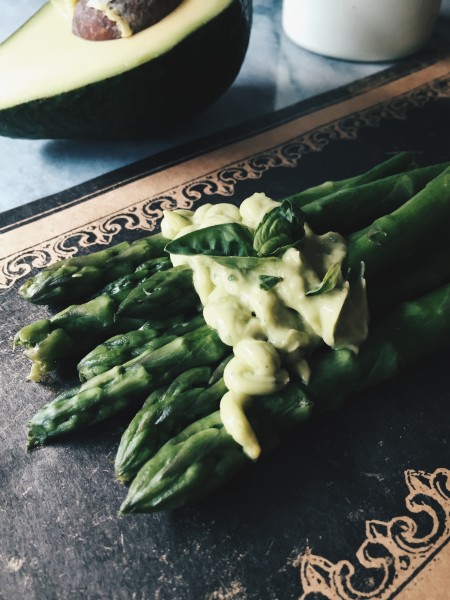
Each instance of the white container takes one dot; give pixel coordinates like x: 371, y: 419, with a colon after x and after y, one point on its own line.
x: 363, y: 30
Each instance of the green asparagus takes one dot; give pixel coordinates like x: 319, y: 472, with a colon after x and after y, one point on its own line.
x: 397, y: 236
x: 170, y: 292
x: 125, y: 346
x: 109, y: 393
x: 353, y: 208
x: 79, y: 277
x: 81, y: 326
x: 164, y: 414
x: 121, y: 287
x: 204, y: 456
x: 427, y: 270
x: 403, y: 161
x: 171, y: 471
x: 193, y: 463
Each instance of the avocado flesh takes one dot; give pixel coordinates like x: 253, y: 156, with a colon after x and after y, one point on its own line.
x: 44, y: 67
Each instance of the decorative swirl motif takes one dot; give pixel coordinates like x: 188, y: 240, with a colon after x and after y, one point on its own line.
x: 392, y: 551
x: 145, y: 215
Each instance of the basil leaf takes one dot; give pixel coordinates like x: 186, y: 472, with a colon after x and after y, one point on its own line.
x: 267, y: 282
x: 329, y: 281
x: 280, y: 229
x: 230, y: 239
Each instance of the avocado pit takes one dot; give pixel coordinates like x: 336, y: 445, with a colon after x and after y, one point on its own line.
x: 97, y: 20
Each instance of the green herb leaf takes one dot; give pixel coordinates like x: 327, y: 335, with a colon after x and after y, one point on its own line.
x: 267, y: 282
x: 230, y: 239
x: 280, y: 229
x: 328, y: 283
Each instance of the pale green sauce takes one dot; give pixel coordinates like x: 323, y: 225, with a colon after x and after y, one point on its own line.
x: 272, y: 331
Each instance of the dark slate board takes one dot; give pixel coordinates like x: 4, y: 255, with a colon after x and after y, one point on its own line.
x: 60, y: 533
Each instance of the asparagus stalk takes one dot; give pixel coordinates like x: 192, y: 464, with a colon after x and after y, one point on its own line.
x: 165, y: 413
x: 395, y: 237
x: 79, y: 277
x: 427, y: 270
x: 171, y: 291
x: 70, y: 331
x: 82, y: 326
x: 195, y: 462
x: 350, y: 209
x: 125, y: 346
x: 398, y: 163
x: 204, y: 456
x: 121, y: 287
x: 107, y: 394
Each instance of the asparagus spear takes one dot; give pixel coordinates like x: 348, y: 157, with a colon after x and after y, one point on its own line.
x: 395, y: 237
x: 172, y: 291
x: 418, y: 275
x: 81, y: 326
x: 191, y: 464
x: 121, y: 287
x: 204, y: 456
x: 352, y: 208
x: 80, y: 277
x: 125, y: 346
x: 165, y: 413
x: 398, y: 163
x: 109, y: 393
x: 68, y: 332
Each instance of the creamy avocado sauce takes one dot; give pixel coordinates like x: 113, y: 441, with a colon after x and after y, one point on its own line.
x: 271, y: 328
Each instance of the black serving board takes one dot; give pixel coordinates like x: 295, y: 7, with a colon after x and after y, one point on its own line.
x: 337, y: 493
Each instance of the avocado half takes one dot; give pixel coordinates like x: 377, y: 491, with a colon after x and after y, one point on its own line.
x: 56, y: 85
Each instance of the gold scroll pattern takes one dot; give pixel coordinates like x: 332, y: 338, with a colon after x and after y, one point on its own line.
x: 145, y: 215
x: 392, y: 552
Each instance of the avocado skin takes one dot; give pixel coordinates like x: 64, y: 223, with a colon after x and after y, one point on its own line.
x: 149, y: 99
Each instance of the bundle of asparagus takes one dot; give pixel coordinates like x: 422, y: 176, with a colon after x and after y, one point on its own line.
x: 166, y: 360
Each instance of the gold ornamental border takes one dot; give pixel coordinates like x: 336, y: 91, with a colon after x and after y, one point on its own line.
x: 393, y: 552
x: 139, y: 204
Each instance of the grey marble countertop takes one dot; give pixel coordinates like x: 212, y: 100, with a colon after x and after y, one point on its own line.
x: 276, y: 73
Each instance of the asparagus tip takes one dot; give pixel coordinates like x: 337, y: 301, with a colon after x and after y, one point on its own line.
x: 36, y: 437
x: 36, y: 372
x: 126, y: 507
x: 122, y: 477
x: 32, y: 443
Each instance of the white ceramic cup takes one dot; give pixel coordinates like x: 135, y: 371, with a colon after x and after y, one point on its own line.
x: 364, y: 30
